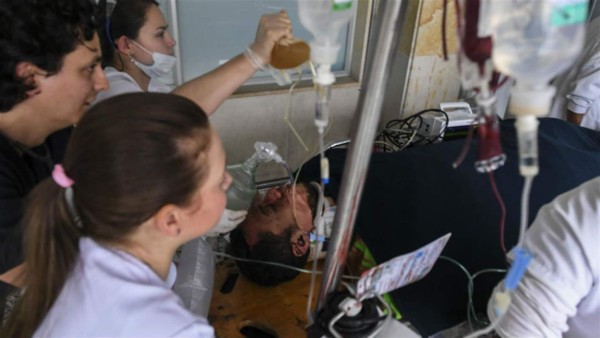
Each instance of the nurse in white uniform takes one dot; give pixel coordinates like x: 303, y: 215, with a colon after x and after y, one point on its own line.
x: 138, y: 49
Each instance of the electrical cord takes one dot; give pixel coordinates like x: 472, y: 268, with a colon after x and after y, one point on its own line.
x: 502, y: 209
x: 471, y: 313
x: 222, y: 254
x: 288, y: 110
x: 320, y: 231
x: 402, y: 133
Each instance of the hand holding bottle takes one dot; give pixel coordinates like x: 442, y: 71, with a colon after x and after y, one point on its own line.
x: 271, y: 29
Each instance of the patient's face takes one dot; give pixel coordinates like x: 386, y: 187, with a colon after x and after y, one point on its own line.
x: 280, y: 208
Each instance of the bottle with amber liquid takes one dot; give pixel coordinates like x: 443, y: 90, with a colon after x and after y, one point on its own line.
x: 290, y: 54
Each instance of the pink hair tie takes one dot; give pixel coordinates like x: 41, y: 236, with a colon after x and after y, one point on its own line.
x: 60, y: 177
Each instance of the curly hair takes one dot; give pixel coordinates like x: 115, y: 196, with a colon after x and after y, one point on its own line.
x: 42, y: 32
x: 269, y: 248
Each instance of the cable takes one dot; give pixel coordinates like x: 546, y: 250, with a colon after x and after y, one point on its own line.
x: 319, y: 224
x: 222, y: 254
x: 470, y: 287
x: 489, y: 328
x: 397, y: 131
x: 466, y: 145
x: 524, y: 209
x: 502, y: 207
x: 288, y: 109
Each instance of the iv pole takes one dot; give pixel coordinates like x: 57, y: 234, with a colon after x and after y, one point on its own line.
x: 390, y: 16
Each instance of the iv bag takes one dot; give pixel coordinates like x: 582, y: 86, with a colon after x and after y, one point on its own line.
x: 325, y: 19
x: 536, y: 40
x: 533, y: 42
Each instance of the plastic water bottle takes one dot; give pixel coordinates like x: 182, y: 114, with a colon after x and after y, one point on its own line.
x: 243, y: 187
x: 533, y: 42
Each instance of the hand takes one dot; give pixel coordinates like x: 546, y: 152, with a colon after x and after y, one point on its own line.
x: 271, y: 29
x: 229, y: 221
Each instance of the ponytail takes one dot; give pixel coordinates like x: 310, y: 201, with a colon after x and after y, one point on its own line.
x: 51, y: 241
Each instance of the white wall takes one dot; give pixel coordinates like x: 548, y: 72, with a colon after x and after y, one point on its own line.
x: 241, y: 121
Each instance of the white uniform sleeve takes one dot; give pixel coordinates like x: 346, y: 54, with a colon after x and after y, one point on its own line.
x: 585, y: 86
x: 196, y: 330
x: 564, y: 243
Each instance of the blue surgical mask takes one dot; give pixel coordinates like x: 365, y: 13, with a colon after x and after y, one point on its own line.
x: 161, y: 66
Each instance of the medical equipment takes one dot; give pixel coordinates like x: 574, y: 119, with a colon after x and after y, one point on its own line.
x: 533, y: 42
x: 477, y: 73
x: 324, y: 20
x: 290, y: 54
x: 287, y: 56
x: 243, y: 187
x: 362, y: 312
x: 389, y: 19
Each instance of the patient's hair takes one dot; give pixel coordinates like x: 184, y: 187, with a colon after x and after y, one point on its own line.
x: 270, y: 248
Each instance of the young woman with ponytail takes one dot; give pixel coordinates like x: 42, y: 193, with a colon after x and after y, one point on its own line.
x: 143, y: 174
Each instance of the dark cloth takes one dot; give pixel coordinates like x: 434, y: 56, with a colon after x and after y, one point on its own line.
x: 20, y: 172
x: 415, y: 196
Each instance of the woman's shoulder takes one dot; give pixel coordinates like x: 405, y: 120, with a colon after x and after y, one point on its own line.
x: 115, y: 295
x: 119, y: 83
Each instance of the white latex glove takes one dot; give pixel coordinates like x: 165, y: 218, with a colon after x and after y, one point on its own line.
x: 229, y: 221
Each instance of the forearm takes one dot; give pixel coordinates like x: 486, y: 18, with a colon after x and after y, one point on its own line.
x: 210, y: 90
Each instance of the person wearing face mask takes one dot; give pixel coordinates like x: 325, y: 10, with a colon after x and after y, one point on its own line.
x: 138, y: 50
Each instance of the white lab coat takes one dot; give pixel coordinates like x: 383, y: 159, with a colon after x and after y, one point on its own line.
x: 113, y: 294
x: 578, y: 89
x: 560, y: 292
x: 121, y: 83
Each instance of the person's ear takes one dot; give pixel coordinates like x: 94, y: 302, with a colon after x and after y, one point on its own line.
x: 27, y: 71
x: 124, y: 46
x: 300, y: 243
x: 168, y: 220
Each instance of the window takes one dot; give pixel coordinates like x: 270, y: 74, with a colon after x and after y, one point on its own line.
x: 209, y: 32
